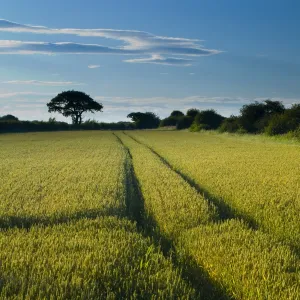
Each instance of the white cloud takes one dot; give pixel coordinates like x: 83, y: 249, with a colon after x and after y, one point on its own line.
x: 42, y: 83
x: 191, y: 73
x: 93, y: 66
x: 134, y: 43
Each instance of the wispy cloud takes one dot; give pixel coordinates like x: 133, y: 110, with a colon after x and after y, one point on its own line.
x: 42, y: 83
x: 134, y: 43
x: 19, y: 47
x: 93, y: 66
x: 157, y: 59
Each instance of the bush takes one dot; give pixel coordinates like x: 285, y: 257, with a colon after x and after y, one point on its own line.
x: 293, y: 114
x: 170, y: 121
x: 8, y: 118
x: 184, y: 122
x: 277, y: 125
x: 192, y: 112
x: 29, y: 126
x: 230, y: 124
x: 52, y: 125
x: 147, y: 120
x: 176, y: 114
x: 241, y: 130
x: 198, y: 127
x: 209, y: 119
x: 295, y: 133
x: 289, y: 121
x: 255, y: 117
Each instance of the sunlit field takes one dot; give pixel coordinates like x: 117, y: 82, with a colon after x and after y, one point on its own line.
x: 148, y: 215
x: 258, y: 179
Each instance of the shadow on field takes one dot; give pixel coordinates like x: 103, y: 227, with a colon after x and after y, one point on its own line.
x: 196, y: 276
x: 26, y: 222
x: 224, y: 210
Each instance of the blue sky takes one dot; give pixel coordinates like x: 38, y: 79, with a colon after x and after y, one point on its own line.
x: 148, y: 55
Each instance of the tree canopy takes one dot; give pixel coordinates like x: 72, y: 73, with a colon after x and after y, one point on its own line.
x: 9, y: 118
x: 73, y: 104
x: 144, y: 120
x: 255, y: 116
x: 176, y: 113
x: 192, y: 112
x: 209, y: 118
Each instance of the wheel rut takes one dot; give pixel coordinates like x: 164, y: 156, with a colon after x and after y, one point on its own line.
x: 197, y: 277
x: 224, y: 210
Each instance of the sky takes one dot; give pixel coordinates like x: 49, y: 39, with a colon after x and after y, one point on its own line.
x: 156, y: 56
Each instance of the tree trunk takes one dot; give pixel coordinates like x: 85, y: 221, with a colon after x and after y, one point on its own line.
x: 80, y: 118
x: 77, y: 118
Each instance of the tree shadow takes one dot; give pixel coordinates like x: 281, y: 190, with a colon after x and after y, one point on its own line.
x: 28, y: 221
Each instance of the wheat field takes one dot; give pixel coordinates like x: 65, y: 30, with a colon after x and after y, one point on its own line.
x: 148, y: 215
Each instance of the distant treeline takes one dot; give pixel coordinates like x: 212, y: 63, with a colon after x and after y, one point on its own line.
x: 269, y: 117
x: 7, y: 124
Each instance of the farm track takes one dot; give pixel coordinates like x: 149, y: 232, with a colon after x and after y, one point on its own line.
x: 187, y: 258
x: 225, y: 212
x: 197, y: 277
x: 67, y: 235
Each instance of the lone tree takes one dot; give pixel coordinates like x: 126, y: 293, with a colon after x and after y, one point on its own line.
x: 73, y: 104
